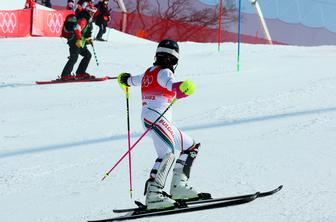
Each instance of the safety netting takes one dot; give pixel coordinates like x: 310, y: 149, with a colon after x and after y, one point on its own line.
x: 293, y: 22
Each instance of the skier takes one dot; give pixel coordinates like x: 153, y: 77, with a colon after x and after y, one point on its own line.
x: 102, y: 18
x: 78, y: 29
x: 159, y: 88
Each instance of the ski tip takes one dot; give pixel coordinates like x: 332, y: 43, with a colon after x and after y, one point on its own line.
x: 264, y: 194
x: 278, y: 189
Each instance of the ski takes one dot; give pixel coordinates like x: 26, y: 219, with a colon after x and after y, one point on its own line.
x: 186, y: 206
x: 261, y: 194
x: 181, y: 209
x: 58, y: 81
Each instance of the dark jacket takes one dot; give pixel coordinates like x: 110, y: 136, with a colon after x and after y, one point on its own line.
x: 76, y: 29
x: 102, y: 15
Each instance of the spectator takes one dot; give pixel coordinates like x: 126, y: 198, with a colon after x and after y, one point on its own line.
x: 86, y: 9
x: 71, y: 5
x: 102, y: 18
x: 30, y: 4
x: 46, y: 3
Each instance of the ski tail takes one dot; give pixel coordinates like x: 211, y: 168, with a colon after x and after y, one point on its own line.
x: 59, y: 81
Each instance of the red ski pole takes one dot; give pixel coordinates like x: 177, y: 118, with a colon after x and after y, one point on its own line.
x: 140, y: 138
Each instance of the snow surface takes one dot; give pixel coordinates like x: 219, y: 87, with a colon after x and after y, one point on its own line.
x: 19, y: 4
x: 12, y: 5
x: 272, y: 123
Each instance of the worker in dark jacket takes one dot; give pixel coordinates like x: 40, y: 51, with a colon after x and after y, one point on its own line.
x: 102, y: 17
x: 78, y: 29
x: 71, y: 5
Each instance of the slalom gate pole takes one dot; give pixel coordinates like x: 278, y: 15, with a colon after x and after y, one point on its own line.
x: 129, y: 141
x: 108, y: 34
x: 239, y: 21
x: 220, y: 24
x: 95, y: 54
x: 140, y: 138
x: 108, y: 30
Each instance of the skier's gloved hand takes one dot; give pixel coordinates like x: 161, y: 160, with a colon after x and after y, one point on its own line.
x: 88, y: 41
x: 122, y: 80
x: 79, y: 43
x: 184, y: 89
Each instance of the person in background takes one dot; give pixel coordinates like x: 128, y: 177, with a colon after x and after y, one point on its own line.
x: 71, y: 5
x: 85, y: 6
x: 46, y: 3
x: 30, y: 4
x: 78, y: 30
x: 102, y: 18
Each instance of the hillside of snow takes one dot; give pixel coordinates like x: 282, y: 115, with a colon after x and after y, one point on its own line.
x: 17, y: 5
x: 272, y: 123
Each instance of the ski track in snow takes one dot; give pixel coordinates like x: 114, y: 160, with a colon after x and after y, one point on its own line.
x: 281, y: 106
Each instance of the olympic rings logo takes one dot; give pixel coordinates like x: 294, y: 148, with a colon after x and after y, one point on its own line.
x: 146, y: 81
x: 55, y: 22
x: 7, y: 22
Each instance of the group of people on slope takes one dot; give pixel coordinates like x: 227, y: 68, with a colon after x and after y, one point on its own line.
x: 159, y: 88
x: 77, y: 30
x: 101, y: 17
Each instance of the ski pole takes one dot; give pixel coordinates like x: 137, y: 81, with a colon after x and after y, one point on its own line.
x: 95, y: 55
x: 239, y: 21
x: 140, y: 138
x: 108, y: 30
x: 112, y: 77
x: 129, y: 140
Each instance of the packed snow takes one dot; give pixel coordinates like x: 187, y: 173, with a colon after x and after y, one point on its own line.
x: 272, y: 123
x: 17, y: 5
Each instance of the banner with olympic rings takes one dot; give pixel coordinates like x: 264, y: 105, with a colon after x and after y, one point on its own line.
x: 15, y: 23
x: 48, y: 23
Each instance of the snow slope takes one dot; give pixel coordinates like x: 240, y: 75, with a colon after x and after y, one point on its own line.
x: 12, y: 5
x: 272, y: 123
x: 18, y: 4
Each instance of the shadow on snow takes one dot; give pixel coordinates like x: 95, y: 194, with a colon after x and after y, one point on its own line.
x: 224, y: 123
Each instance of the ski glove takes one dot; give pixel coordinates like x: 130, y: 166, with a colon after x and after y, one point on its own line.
x: 88, y: 41
x: 79, y: 43
x: 122, y: 80
x: 183, y: 89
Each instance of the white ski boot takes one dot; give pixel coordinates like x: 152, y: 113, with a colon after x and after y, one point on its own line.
x: 180, y: 189
x: 156, y: 198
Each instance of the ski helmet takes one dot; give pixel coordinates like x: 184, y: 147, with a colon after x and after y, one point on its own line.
x: 167, y: 54
x: 86, y: 10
